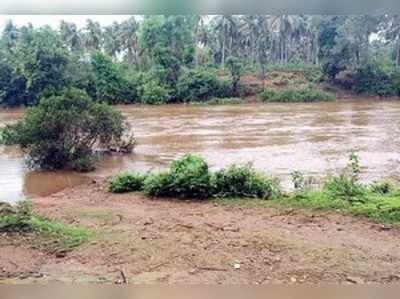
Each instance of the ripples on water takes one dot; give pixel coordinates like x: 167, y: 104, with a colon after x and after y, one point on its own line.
x: 277, y: 138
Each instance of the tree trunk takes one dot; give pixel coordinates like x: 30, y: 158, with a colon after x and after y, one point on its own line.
x: 223, y: 53
x: 398, y: 55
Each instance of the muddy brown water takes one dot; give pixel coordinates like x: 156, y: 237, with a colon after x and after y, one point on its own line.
x: 277, y: 138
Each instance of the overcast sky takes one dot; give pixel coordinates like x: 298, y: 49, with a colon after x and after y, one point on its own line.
x: 54, y: 20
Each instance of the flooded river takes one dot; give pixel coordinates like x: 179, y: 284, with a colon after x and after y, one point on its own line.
x: 278, y: 138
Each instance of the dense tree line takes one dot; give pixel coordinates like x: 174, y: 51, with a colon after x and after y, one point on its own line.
x: 161, y: 58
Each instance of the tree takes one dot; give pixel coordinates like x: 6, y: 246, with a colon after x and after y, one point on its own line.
x: 40, y: 58
x: 236, y: 68
x: 93, y: 35
x: 70, y: 36
x: 111, y: 86
x: 63, y: 131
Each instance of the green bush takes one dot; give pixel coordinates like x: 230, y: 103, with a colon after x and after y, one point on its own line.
x: 244, y: 181
x: 384, y: 187
x: 295, y: 95
x: 220, y: 101
x: 343, y: 187
x: 126, y: 182
x: 62, y: 131
x: 154, y: 93
x: 374, y: 80
x: 188, y: 177
x: 197, y: 85
x: 110, y: 85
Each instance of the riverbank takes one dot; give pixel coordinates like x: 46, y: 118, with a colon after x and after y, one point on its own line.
x: 279, y: 137
x: 169, y: 241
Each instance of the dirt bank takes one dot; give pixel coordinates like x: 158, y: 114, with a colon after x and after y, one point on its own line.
x: 165, y: 241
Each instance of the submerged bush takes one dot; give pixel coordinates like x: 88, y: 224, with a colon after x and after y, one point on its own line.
x: 188, y: 177
x: 295, y: 95
x: 244, y: 181
x: 62, y: 131
x: 126, y: 182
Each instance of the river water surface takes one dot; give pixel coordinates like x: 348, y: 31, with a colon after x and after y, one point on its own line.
x: 277, y: 138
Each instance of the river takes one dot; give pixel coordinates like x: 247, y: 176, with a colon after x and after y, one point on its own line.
x: 277, y: 138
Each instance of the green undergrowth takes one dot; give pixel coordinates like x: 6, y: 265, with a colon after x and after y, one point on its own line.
x: 190, y: 178
x: 49, y: 234
x: 219, y: 101
x: 292, y: 95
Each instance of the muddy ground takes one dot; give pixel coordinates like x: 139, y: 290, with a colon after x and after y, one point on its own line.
x: 166, y: 241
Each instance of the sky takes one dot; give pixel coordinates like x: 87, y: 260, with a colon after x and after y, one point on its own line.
x: 54, y: 20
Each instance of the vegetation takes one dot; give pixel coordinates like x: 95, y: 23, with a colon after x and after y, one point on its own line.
x: 295, y: 95
x: 244, y: 181
x: 52, y: 235
x: 126, y: 182
x: 188, y: 177
x: 63, y: 131
x: 219, y: 101
x: 192, y: 57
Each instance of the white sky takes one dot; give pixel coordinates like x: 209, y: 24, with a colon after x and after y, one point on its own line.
x: 54, y: 20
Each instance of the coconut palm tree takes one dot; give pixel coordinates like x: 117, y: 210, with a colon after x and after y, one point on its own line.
x: 93, y: 35
x: 70, y: 35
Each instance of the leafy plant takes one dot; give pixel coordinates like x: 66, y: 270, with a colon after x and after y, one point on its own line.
x: 154, y: 93
x: 295, y: 95
x: 197, y: 85
x: 384, y: 187
x: 300, y: 182
x: 63, y: 131
x: 244, y: 181
x: 126, y: 182
x: 188, y: 177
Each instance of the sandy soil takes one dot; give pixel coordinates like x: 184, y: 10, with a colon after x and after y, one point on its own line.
x: 166, y: 241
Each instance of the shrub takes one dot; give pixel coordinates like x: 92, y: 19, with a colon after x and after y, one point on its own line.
x: 197, y: 85
x: 343, y: 187
x: 160, y: 185
x: 236, y: 68
x: 110, y: 85
x: 62, y: 131
x: 300, y: 182
x: 220, y: 101
x: 154, y: 93
x: 188, y: 177
x: 384, y: 187
x: 372, y: 79
x: 126, y: 182
x: 346, y: 184
x: 295, y: 95
x: 244, y: 181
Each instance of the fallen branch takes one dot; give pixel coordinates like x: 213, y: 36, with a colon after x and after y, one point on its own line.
x: 124, y: 278
x: 212, y: 269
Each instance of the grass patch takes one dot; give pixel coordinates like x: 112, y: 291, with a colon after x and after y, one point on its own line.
x: 54, y: 236
x: 218, y: 101
x: 295, y: 95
